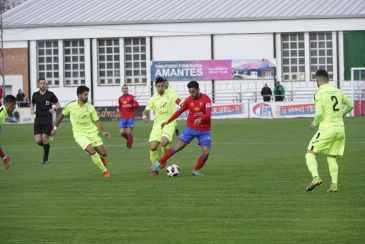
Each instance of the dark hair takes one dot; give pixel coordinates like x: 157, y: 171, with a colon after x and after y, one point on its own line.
x: 193, y: 84
x: 322, y: 73
x: 41, y: 78
x: 159, y: 79
x: 10, y: 99
x: 82, y: 89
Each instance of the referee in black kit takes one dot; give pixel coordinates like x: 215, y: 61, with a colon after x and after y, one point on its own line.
x: 44, y: 104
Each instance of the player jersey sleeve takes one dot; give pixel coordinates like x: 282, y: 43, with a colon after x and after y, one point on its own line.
x: 149, y: 105
x: 348, y: 103
x: 120, y: 104
x: 93, y: 114
x: 318, y: 110
x: 135, y: 103
x: 54, y: 98
x: 33, y: 98
x: 181, y: 110
x: 208, y: 109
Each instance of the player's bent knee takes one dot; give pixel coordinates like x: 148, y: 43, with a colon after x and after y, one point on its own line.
x: 164, y: 144
x: 91, y: 151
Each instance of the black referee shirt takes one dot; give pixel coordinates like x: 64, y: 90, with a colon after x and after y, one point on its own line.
x: 43, y: 102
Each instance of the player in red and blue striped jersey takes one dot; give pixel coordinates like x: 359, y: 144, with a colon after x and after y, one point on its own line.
x: 198, y: 125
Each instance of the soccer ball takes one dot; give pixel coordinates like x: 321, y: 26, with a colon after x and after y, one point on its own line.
x: 173, y: 170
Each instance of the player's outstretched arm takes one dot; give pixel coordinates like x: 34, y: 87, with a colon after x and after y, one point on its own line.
x: 318, y: 113
x: 54, y: 108
x: 174, y: 116
x: 164, y: 123
x: 349, y: 106
x: 58, y: 121
x: 145, y: 115
x: 101, y: 128
x: 135, y: 104
x: 32, y: 110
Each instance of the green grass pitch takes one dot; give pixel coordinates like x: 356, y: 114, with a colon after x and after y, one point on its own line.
x: 253, y: 190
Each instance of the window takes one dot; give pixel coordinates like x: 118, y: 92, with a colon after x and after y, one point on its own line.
x: 293, y: 57
x: 47, y: 62
x: 108, y: 62
x: 321, y: 53
x: 135, y: 60
x: 74, y: 62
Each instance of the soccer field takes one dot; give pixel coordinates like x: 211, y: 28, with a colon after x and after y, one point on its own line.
x: 253, y: 190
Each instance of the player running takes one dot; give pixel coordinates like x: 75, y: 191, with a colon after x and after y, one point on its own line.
x: 197, y: 126
x: 85, y: 126
x: 163, y: 105
x: 127, y: 105
x: 5, y: 110
x: 330, y: 137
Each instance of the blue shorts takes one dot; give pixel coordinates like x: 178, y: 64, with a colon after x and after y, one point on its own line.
x: 126, y: 123
x: 203, y: 137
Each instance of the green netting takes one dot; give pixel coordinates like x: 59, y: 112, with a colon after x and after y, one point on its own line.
x: 354, y: 52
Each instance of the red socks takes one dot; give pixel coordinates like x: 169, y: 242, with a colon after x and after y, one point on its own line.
x: 171, y: 151
x: 200, y: 163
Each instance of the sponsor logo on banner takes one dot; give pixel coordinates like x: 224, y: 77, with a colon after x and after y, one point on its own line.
x: 263, y: 110
x: 110, y: 113
x: 225, y: 111
x: 297, y: 109
x: 222, y: 110
x: 107, y: 113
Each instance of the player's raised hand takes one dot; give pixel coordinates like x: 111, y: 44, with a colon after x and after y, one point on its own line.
x: 163, y: 124
x: 106, y: 134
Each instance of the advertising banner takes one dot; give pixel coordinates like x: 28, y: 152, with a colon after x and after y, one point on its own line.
x: 111, y: 113
x: 262, y: 110
x: 230, y: 111
x: 192, y: 70
x: 226, y: 111
x: 281, y: 110
x: 237, y: 69
x: 296, y: 110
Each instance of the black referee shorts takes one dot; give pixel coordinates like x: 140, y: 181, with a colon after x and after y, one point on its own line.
x: 43, y: 125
